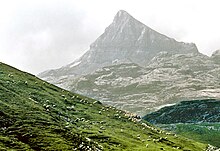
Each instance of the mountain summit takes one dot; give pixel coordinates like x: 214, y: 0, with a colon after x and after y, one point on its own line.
x: 133, y: 37
x: 122, y: 16
x: 125, y: 40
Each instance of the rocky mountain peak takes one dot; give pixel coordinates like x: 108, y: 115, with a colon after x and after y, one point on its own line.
x: 122, y: 15
x: 125, y: 40
x: 129, y: 35
x: 124, y: 31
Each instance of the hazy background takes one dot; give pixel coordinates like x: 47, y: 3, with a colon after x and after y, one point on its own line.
x: 36, y: 35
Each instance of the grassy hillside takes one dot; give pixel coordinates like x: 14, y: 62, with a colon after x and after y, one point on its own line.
x: 197, y: 119
x: 203, y: 132
x: 195, y: 111
x: 35, y: 115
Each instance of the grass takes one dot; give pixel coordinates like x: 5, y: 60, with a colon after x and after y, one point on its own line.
x: 202, y: 132
x: 35, y: 115
x: 196, y: 119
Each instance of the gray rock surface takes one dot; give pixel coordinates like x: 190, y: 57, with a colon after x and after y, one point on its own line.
x: 169, y: 78
x: 216, y: 56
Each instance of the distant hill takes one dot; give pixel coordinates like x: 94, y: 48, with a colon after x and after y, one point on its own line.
x: 36, y: 115
x: 195, y: 111
x: 196, y: 119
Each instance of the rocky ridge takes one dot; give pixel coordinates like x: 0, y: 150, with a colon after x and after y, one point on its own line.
x: 166, y: 80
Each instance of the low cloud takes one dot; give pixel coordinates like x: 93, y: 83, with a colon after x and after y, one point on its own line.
x: 38, y: 35
x: 40, y: 38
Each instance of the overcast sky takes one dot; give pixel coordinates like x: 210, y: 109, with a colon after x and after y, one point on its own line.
x: 36, y: 35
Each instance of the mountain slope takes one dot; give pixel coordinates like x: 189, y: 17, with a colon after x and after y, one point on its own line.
x: 125, y: 40
x: 196, y: 119
x: 135, y: 68
x: 169, y: 78
x: 216, y: 56
x: 35, y: 115
x: 201, y: 132
x: 195, y: 111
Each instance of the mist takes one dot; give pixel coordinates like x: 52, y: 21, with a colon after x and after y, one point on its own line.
x: 41, y: 35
